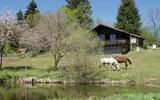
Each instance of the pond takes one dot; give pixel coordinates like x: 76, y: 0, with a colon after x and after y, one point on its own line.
x: 82, y: 92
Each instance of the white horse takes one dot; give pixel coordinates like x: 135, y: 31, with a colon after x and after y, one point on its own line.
x: 110, y: 61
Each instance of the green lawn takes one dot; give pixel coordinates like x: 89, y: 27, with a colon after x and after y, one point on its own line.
x: 145, y: 67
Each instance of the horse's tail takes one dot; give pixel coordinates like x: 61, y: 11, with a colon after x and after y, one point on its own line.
x: 129, y: 61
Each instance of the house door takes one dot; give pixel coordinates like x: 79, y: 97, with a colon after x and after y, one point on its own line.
x: 112, y: 37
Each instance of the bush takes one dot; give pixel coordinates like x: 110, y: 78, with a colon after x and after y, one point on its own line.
x: 84, y: 44
x: 83, y: 67
x: 145, y: 46
x: 7, y: 49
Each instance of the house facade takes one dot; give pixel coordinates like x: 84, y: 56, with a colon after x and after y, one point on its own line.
x: 116, y: 40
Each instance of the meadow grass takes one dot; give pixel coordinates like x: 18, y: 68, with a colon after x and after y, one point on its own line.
x: 145, y: 67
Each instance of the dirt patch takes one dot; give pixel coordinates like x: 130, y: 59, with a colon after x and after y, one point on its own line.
x: 9, y: 61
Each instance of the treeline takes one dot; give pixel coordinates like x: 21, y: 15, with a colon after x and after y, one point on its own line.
x: 78, y: 11
x: 81, y: 11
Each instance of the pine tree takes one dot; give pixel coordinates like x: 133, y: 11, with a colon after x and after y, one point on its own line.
x: 73, y: 4
x: 20, y: 16
x: 128, y: 17
x: 31, y: 9
x: 32, y: 14
x: 84, y: 12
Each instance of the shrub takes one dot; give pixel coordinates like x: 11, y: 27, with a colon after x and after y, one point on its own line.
x: 83, y: 45
x: 7, y: 49
x: 145, y: 46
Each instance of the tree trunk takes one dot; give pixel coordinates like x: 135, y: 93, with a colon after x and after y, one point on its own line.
x: 57, y: 58
x: 1, y: 55
x: 55, y: 62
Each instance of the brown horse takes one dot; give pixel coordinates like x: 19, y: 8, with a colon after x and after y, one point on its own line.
x: 122, y: 59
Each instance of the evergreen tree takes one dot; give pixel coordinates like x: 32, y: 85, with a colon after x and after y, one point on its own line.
x: 31, y: 9
x: 84, y: 12
x: 128, y: 17
x: 73, y: 4
x: 20, y: 16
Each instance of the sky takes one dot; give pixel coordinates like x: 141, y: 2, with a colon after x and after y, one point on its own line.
x: 105, y: 10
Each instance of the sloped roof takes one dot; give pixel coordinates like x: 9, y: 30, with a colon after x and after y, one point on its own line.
x: 136, y: 35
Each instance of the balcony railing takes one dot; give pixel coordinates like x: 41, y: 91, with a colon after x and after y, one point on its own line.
x: 117, y: 42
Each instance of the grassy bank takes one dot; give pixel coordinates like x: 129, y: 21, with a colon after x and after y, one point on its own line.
x: 145, y: 68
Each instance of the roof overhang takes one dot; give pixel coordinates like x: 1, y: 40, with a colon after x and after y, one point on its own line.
x: 135, y: 35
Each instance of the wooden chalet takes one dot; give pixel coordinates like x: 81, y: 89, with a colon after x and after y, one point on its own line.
x: 116, y: 40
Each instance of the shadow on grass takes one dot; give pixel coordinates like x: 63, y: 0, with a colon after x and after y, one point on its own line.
x: 17, y: 68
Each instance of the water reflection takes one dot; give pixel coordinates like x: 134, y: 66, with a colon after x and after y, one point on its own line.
x: 50, y: 92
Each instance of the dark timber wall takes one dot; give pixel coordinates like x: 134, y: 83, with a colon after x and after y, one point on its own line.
x: 122, y: 43
x: 116, y: 40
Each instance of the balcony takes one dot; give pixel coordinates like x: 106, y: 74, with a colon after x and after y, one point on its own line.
x: 116, y: 43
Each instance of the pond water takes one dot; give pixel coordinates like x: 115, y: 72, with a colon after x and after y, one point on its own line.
x: 70, y: 92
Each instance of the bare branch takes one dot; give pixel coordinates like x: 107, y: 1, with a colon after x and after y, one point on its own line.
x: 155, y: 23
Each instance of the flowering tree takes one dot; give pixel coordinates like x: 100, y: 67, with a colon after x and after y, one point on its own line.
x: 7, y: 29
x: 50, y: 33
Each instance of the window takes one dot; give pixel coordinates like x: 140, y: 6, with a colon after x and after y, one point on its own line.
x: 102, y: 37
x: 133, y: 40
x: 112, y: 37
